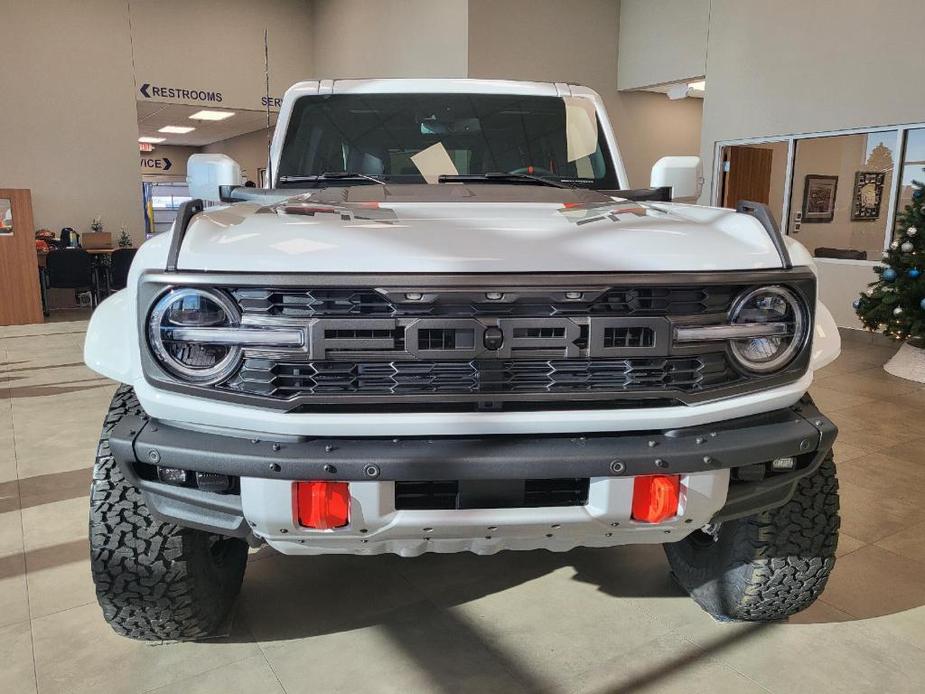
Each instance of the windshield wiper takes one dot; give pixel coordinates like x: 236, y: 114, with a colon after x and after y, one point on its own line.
x: 331, y: 176
x: 500, y: 177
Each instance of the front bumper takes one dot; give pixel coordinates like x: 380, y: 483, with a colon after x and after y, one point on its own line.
x: 702, y: 455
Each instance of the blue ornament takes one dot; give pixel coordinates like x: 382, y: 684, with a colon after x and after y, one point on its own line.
x: 857, y: 303
x: 918, y: 193
x: 889, y: 274
x: 914, y: 272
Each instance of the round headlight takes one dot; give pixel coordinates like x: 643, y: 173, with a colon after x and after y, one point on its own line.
x: 782, y: 312
x: 177, y: 349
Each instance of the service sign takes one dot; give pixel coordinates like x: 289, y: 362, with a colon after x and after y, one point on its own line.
x: 156, y: 165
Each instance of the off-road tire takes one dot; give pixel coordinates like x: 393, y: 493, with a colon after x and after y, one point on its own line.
x: 768, y: 566
x: 155, y: 581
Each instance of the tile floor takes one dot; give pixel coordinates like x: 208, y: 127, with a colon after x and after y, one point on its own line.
x: 588, y: 620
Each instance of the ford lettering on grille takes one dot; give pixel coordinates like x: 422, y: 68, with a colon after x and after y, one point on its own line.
x: 470, y: 338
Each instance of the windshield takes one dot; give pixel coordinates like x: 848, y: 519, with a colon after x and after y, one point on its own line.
x: 416, y: 138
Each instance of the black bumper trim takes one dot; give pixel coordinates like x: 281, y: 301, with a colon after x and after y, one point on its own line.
x: 759, y: 438
x: 192, y: 508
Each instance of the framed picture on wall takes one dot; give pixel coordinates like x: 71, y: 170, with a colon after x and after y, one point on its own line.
x: 819, y: 198
x: 868, y: 195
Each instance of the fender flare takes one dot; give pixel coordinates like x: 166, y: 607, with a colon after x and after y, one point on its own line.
x: 110, y: 347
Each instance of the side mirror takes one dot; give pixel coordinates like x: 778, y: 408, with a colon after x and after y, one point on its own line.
x: 206, y: 172
x: 684, y: 175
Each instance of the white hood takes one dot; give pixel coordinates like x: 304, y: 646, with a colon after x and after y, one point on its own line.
x: 485, y: 228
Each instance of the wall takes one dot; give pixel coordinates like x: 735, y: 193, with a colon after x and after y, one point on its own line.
x: 68, y: 126
x: 217, y: 47
x: 576, y: 41
x: 389, y: 38
x: 830, y: 65
x: 662, y: 41
x: 651, y: 126
x: 249, y: 150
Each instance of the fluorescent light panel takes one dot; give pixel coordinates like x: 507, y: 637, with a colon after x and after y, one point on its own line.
x: 151, y: 140
x: 177, y: 129
x: 212, y: 115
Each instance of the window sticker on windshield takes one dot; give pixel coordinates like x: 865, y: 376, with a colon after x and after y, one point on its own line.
x: 580, y: 128
x: 434, y: 162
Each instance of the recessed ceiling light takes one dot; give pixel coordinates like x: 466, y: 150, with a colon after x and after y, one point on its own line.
x: 177, y: 129
x: 151, y: 140
x: 212, y: 115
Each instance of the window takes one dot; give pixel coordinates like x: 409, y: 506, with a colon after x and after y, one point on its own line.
x: 405, y: 138
x: 840, y: 193
x: 165, y: 199
x: 168, y: 202
x: 913, y: 166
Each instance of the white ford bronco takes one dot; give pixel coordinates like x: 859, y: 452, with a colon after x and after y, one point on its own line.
x: 449, y: 325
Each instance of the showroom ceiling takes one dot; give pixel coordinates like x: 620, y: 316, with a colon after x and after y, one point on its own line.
x: 154, y: 116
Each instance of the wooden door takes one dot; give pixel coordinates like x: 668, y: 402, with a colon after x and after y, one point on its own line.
x: 747, y: 175
x: 20, y: 300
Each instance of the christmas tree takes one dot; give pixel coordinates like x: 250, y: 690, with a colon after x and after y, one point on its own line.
x: 894, y: 304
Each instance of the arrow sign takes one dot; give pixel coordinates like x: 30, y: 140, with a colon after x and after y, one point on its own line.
x: 144, y: 90
x: 167, y: 164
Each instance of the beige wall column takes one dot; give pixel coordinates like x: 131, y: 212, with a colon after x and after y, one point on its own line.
x: 662, y: 41
x: 389, y: 38
x: 67, y: 113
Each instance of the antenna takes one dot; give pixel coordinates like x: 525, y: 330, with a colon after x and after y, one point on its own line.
x: 266, y: 75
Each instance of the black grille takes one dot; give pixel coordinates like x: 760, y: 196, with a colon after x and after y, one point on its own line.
x: 426, y: 495
x: 566, y: 491
x: 619, y: 301
x: 445, y: 338
x: 550, y: 345
x: 629, y: 337
x: 538, y: 493
x: 341, y: 334
x: 481, y: 377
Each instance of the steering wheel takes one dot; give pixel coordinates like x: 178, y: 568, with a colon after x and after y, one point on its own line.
x: 533, y: 171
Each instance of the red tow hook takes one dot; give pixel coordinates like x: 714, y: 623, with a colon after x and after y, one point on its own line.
x: 655, y: 497
x: 321, y: 504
